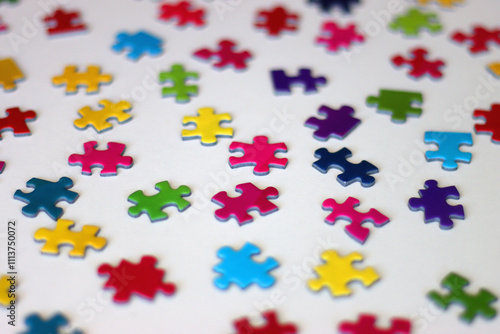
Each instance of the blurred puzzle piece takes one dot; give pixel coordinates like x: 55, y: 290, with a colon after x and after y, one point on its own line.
x: 492, y: 124
x: 479, y: 39
x: 419, y: 64
x: 98, y: 119
x: 276, y: 20
x: 366, y: 325
x: 138, y: 44
x: 183, y: 13
x: 270, y: 326
x: 9, y: 74
x: 63, y: 22
x: 178, y: 76
x: 283, y: 83
x: 73, y: 79
x: 225, y: 56
x: 399, y: 104
x: 336, y: 37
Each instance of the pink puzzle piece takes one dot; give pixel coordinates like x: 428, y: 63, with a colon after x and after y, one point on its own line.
x: 260, y: 154
x: 3, y: 27
x: 335, y: 37
x: 225, y: 55
x: 183, y: 12
x: 419, y: 64
x: 347, y: 211
x: 251, y: 198
x: 109, y: 159
x: 366, y: 325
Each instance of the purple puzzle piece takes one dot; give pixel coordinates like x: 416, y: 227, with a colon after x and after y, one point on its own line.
x: 433, y: 202
x: 283, y: 83
x: 337, y: 123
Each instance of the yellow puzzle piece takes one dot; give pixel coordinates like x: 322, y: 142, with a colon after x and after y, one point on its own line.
x: 73, y: 79
x: 494, y: 69
x: 62, y: 235
x: 99, y: 118
x: 4, y: 290
x: 443, y: 3
x: 9, y: 74
x: 207, y: 126
x: 338, y: 272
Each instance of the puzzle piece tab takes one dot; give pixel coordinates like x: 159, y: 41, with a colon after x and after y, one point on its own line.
x: 337, y: 123
x: 366, y: 325
x: 98, y: 119
x: 179, y: 89
x: 399, y: 104
x: 260, y: 154
x: 183, y: 13
x: 492, y: 124
x: 138, y: 44
x: 208, y: 127
x: 474, y: 305
x: 239, y: 267
x: 449, y: 148
x: 225, y: 56
x: 16, y: 121
x: 479, y: 39
x: 109, y: 160
x: 419, y: 64
x: 154, y: 205
x: 327, y: 5
x: 271, y: 325
x: 338, y: 272
x: 5, y: 286
x: 251, y: 198
x: 414, y: 21
x: 442, y: 3
x: 92, y: 79
x: 63, y: 22
x: 336, y: 37
x: 53, y: 325
x: 9, y: 74
x: 283, y: 83
x: 276, y: 21
x: 45, y: 196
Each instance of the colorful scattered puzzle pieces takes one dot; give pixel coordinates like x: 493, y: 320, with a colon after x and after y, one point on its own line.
x: 16, y: 121
x: 178, y: 76
x: 276, y: 20
x: 92, y: 79
x: 336, y: 37
x: 138, y: 44
x: 414, y: 21
x: 98, y: 119
x: 271, y: 326
x: 225, y: 56
x: 183, y: 13
x: 5, y: 285
x: 366, y: 325
x: 109, y: 160
x: 479, y: 40
x: 9, y: 74
x: 63, y: 22
x: 259, y: 154
x: 283, y: 83
x: 208, y: 126
x: 327, y: 5
x: 337, y: 123
x: 419, y: 64
x: 399, y: 104
x: 449, y: 148
x: 492, y: 124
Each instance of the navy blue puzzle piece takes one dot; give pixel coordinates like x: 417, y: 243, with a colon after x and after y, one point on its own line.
x: 327, y: 5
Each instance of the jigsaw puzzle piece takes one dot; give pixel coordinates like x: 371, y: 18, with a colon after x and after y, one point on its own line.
x: 276, y: 20
x: 225, y: 56
x: 271, y: 325
x: 337, y: 123
x: 208, y: 127
x: 283, y: 83
x: 492, y: 124
x: 178, y: 76
x: 479, y: 39
x: 10, y: 74
x: 98, y: 119
x: 366, y: 325
x: 399, y: 104
x: 419, y: 64
x: 327, y: 5
x: 183, y: 13
x: 449, y: 148
x: 92, y: 79
x: 109, y: 160
x: 54, y: 325
x: 442, y: 3
x: 415, y: 20
x: 138, y: 44
x: 16, y: 121
x: 64, y: 22
x: 260, y: 154
x: 7, y: 283
x: 336, y: 37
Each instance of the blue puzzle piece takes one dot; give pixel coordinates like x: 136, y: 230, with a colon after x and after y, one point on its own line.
x: 326, y: 5
x: 238, y: 267
x: 449, y: 148
x: 138, y: 44
x: 51, y: 326
x: 45, y: 196
x: 351, y: 172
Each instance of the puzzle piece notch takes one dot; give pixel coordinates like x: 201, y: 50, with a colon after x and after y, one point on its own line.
x: 442, y: 3
x: 283, y: 83
x: 16, y: 121
x: 399, y: 104
x: 251, y: 198
x: 45, y: 196
x: 53, y: 325
x: 109, y: 160
x: 419, y: 64
x: 433, y: 201
x: 178, y: 76
x: 449, y: 148
x: 138, y: 44
x: 5, y: 290
x: 142, y: 279
x: 154, y: 205
x: 350, y: 172
x: 338, y: 123
x: 183, y: 13
x: 475, y: 305
x: 347, y: 211
x: 225, y: 55
x: 92, y: 79
x: 239, y: 267
x: 492, y: 124
x: 327, y: 5
x: 366, y: 325
x: 259, y: 154
x: 277, y: 20
x: 336, y: 37
x: 479, y: 39
x: 63, y: 235
x: 98, y: 119
x: 415, y: 20
x: 208, y: 126
x: 338, y: 271
x: 10, y: 74
x: 63, y: 22
x: 271, y: 325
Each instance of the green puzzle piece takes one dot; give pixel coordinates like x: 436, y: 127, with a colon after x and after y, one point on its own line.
x: 10, y: 1
x: 179, y: 89
x: 153, y: 205
x: 397, y: 103
x: 474, y: 305
x: 414, y: 21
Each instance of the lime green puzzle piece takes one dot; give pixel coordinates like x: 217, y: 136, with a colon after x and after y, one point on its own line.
x: 178, y: 76
x: 416, y: 20
x: 399, y: 104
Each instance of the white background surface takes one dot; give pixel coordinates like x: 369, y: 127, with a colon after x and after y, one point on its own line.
x: 410, y: 256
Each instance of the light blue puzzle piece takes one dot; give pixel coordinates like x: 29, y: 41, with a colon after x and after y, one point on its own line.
x: 449, y: 148
x: 138, y: 44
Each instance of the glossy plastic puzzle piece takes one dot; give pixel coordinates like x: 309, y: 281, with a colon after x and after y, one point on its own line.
x: 433, y: 202
x: 414, y: 21
x: 225, y: 56
x: 91, y: 79
x: 142, y: 279
x: 45, y: 196
x: 449, y: 148
x: 98, y: 119
x: 154, y: 205
x: 183, y: 13
x: 399, y: 104
x: 270, y: 326
x: 492, y: 124
x: 10, y: 74
x: 138, y: 44
x: 337, y: 123
x: 239, y: 267
x: 366, y: 325
x: 64, y: 22
x: 208, y: 126
x: 474, y: 305
x: 259, y: 154
x: 109, y: 160
x: 351, y: 172
x: 335, y: 37
x: 419, y: 64
x: 251, y: 198
x: 442, y: 3
x: 347, y: 211
x: 53, y: 325
x: 327, y: 5
x: 277, y: 20
x: 5, y: 285
x: 178, y: 76
x: 338, y: 272
x: 283, y: 83
x: 479, y: 39
x: 63, y: 235
x: 16, y: 121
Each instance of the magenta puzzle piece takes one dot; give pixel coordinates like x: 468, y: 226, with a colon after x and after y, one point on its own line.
x: 337, y: 123
x: 260, y: 154
x: 109, y: 159
x: 335, y: 37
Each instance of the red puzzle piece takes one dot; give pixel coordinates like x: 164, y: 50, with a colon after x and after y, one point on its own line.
x: 109, y: 159
x: 492, y: 124
x: 335, y: 37
x: 16, y: 121
x: 142, y: 279
x: 347, y: 211
x: 276, y: 21
x: 251, y: 198
x: 479, y: 39
x: 419, y: 64
x: 62, y: 22
x: 271, y: 326
x: 366, y: 325
x: 225, y: 55
x: 183, y: 12
x: 259, y: 154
